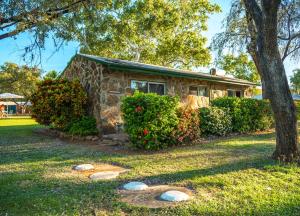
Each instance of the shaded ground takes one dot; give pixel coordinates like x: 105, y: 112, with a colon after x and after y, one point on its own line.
x: 229, y: 177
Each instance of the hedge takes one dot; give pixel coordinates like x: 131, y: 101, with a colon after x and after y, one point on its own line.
x: 215, y: 121
x: 248, y: 115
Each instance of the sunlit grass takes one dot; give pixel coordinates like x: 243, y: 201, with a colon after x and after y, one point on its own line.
x: 230, y: 177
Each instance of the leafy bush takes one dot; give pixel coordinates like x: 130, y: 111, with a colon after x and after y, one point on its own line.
x: 215, y: 121
x: 188, y: 128
x: 84, y: 127
x: 58, y: 102
x: 150, y: 119
x: 297, y: 103
x: 247, y: 114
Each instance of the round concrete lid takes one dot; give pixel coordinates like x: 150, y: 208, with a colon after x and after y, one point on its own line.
x: 104, y: 175
x: 83, y: 167
x: 135, y: 186
x: 174, y: 196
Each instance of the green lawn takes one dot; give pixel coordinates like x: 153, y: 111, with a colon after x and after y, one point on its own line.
x: 230, y: 177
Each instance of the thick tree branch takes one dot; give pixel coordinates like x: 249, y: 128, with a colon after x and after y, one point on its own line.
x: 253, y: 8
x: 27, y: 23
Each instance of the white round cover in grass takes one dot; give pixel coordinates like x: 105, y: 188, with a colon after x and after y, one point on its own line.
x: 83, y: 167
x: 135, y: 186
x: 104, y: 175
x: 174, y: 196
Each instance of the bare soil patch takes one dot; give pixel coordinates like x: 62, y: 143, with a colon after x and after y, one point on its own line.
x: 101, y: 168
x: 150, y: 198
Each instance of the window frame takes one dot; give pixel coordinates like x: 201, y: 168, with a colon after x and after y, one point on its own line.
x: 147, y: 83
x: 197, y: 86
x: 235, y: 91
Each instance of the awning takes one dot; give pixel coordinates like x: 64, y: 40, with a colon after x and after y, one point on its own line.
x: 10, y: 96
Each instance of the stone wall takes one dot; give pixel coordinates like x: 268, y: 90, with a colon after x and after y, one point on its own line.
x: 106, y: 87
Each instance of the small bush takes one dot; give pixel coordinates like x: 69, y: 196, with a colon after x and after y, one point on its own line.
x: 247, y: 114
x: 297, y: 103
x: 188, y: 128
x: 150, y: 119
x: 215, y: 121
x: 58, y: 102
x: 84, y: 127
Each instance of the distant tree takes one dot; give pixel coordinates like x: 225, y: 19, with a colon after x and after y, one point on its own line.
x: 18, y: 79
x: 51, y: 75
x: 295, y: 80
x: 239, y: 66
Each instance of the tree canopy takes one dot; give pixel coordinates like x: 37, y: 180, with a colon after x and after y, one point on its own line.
x: 237, y: 35
x: 295, y: 80
x: 18, y: 79
x: 164, y: 32
x: 53, y: 74
x: 239, y: 66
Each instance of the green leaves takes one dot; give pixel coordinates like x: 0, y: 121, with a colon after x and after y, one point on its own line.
x: 239, y: 66
x: 20, y: 80
x: 161, y: 32
x: 58, y: 102
x: 150, y: 119
x: 295, y: 80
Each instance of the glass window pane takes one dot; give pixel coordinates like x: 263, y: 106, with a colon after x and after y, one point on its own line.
x: 193, y: 90
x: 157, y: 88
x: 202, y: 91
x: 139, y: 85
x: 238, y: 94
x: 230, y: 93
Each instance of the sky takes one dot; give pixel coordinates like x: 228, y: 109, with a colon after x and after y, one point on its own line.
x: 11, y: 50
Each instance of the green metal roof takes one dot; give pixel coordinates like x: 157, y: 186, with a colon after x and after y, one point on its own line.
x: 131, y: 66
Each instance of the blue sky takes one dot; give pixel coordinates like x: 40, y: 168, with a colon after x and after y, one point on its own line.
x: 11, y: 49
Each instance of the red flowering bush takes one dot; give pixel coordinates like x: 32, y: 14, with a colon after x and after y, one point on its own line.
x: 188, y: 128
x: 150, y: 120
x: 58, y: 103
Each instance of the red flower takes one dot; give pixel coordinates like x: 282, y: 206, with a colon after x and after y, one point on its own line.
x: 138, y: 109
x: 146, y: 132
x: 180, y: 139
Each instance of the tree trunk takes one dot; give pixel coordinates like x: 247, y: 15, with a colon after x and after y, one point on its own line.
x: 284, y: 112
x: 274, y: 78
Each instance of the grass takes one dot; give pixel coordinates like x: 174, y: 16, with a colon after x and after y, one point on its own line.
x: 230, y: 177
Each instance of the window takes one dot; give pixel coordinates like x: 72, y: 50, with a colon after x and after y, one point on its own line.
x: 158, y: 88
x: 198, y: 91
x: 148, y: 87
x: 234, y: 93
x: 139, y: 85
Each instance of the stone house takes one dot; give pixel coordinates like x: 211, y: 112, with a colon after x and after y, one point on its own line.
x: 107, y: 80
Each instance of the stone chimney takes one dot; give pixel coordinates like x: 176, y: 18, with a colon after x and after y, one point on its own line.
x: 213, y: 71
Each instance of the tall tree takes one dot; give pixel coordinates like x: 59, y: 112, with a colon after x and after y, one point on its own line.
x: 18, y: 79
x: 262, y: 23
x: 295, y: 80
x: 164, y: 32
x: 239, y: 66
x: 238, y: 34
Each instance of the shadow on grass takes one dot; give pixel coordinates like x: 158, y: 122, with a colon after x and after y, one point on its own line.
x: 239, y: 165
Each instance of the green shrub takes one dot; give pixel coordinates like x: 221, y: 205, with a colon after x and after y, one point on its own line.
x: 150, y: 119
x: 58, y: 102
x: 297, y: 103
x: 188, y: 128
x: 84, y: 127
x: 247, y: 114
x: 215, y: 121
